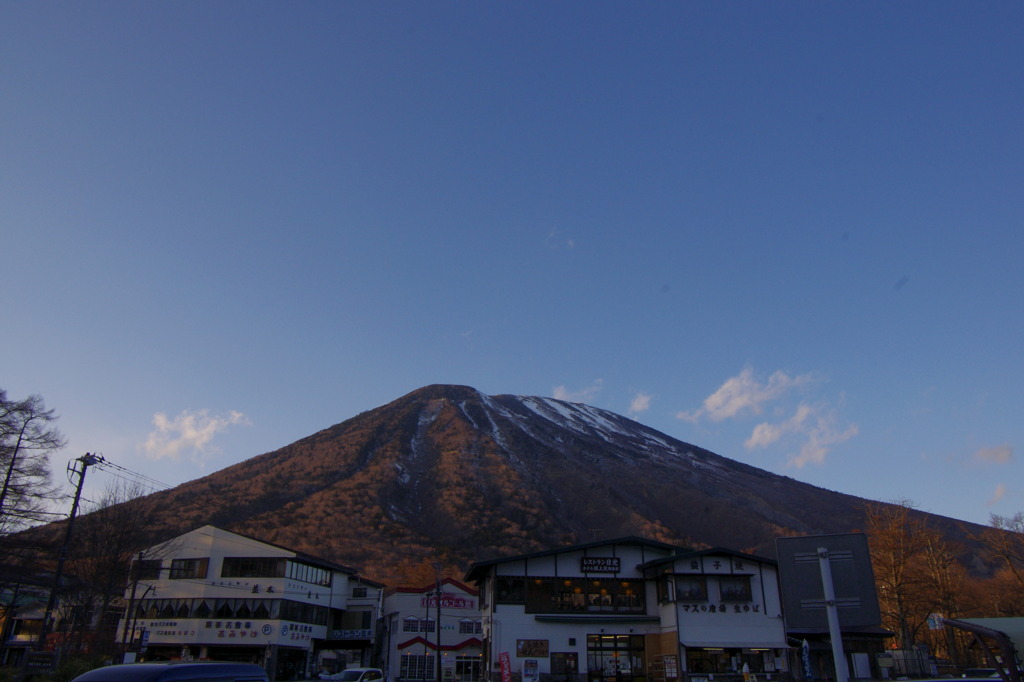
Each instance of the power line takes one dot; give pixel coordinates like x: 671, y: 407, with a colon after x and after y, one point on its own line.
x: 148, y: 481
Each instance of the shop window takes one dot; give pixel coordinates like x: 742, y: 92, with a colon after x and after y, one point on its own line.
x: 691, y: 588
x: 584, y: 595
x: 509, y: 590
x: 417, y: 667
x: 735, y: 588
x: 224, y: 609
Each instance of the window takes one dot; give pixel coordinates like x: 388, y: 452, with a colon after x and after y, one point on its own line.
x: 584, y: 595
x: 411, y: 625
x: 509, y: 590
x: 301, y: 612
x: 182, y: 569
x: 468, y: 626
x: 358, y: 592
x: 308, y: 573
x: 253, y: 567
x: 148, y: 569
x: 735, y: 588
x: 417, y: 667
x: 691, y: 588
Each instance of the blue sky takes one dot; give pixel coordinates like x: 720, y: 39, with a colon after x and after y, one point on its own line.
x: 786, y: 232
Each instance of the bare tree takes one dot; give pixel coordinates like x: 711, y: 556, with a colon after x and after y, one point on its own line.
x: 896, y: 537
x: 113, y: 529
x: 28, y: 436
x: 945, y: 581
x: 1005, y: 539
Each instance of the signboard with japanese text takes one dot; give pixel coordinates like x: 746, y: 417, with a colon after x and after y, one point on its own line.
x: 212, y: 631
x: 505, y: 662
x: 532, y: 648
x: 597, y: 564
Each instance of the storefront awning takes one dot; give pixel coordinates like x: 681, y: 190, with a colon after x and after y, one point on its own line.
x: 596, y: 619
x: 735, y: 645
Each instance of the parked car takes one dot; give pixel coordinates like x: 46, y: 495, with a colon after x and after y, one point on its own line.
x: 355, y: 675
x: 176, y: 671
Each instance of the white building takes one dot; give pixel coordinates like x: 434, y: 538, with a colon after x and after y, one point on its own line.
x: 721, y: 615
x: 410, y: 639
x: 214, y: 594
x: 630, y: 610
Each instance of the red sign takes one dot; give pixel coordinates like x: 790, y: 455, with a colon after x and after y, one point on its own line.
x: 506, y: 666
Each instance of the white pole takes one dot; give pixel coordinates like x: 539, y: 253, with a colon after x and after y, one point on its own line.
x: 842, y: 671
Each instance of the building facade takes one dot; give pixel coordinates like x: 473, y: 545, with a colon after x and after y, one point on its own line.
x: 721, y: 617
x: 630, y: 610
x: 429, y: 634
x: 214, y: 594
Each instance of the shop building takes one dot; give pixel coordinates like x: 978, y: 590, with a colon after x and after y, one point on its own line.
x: 425, y: 626
x: 721, y: 617
x: 631, y: 610
x: 215, y: 594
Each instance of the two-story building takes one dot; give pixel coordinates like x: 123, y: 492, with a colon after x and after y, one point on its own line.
x: 630, y: 610
x: 215, y: 594
x: 432, y: 629
x: 721, y: 617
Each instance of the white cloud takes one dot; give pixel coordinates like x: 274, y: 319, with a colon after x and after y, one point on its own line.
x: 641, y: 403
x: 1000, y: 491
x: 189, y: 432
x: 743, y: 394
x: 814, y: 426
x: 556, y: 240
x: 1002, y: 454
x: 585, y: 395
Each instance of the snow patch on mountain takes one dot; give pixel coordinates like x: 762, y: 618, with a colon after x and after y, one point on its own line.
x: 426, y: 418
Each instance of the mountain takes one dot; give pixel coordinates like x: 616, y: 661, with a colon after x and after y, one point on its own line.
x: 448, y: 473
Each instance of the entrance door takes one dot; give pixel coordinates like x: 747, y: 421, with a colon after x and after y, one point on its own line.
x: 615, y: 658
x: 468, y: 669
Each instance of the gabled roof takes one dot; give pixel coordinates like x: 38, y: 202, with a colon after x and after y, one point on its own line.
x: 308, y: 558
x: 479, y: 568
x: 693, y: 554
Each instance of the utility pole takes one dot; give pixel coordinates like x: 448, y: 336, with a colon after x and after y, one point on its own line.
x: 834, y: 631
x: 135, y: 568
x: 87, y: 460
x: 437, y: 593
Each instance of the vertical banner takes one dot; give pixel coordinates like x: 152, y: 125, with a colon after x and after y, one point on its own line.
x: 506, y: 666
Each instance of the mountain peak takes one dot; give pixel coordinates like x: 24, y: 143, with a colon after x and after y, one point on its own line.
x: 449, y: 473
